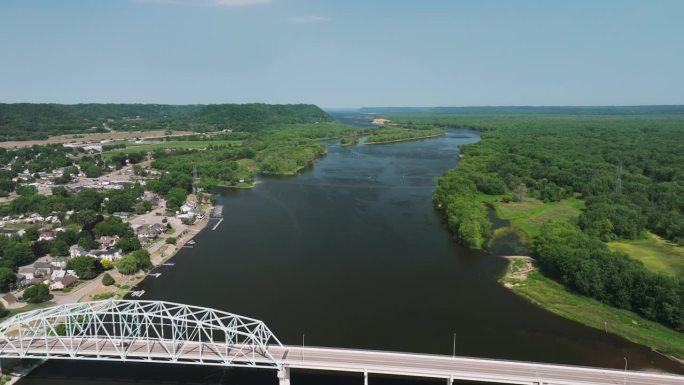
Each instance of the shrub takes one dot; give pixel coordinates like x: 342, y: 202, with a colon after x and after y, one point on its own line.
x: 107, y: 264
x: 171, y: 240
x: 127, y: 265
x: 107, y: 280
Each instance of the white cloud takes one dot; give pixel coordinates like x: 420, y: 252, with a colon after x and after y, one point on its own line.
x: 309, y: 19
x: 218, y: 3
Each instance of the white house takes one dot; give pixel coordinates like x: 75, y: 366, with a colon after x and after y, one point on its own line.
x: 76, y: 251
x: 56, y: 274
x: 111, y: 254
x: 188, y: 206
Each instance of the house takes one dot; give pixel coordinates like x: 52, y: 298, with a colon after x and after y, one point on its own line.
x: 64, y: 282
x: 76, y: 251
x: 145, y: 234
x: 107, y: 241
x: 158, y: 228
x: 42, y: 269
x: 8, y: 300
x: 35, y: 281
x: 56, y: 274
x: 151, y: 232
x: 110, y: 254
x: 47, y: 235
x: 122, y: 214
x: 26, y: 272
x: 59, y: 263
x: 187, y: 206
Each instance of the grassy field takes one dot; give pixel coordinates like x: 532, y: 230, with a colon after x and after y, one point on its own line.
x: 529, y: 214
x: 656, y: 253
x: 175, y: 144
x: 552, y: 296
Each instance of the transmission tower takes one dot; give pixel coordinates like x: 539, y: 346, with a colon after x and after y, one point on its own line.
x: 195, y: 180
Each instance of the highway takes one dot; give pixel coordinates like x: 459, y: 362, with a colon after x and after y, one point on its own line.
x: 330, y: 359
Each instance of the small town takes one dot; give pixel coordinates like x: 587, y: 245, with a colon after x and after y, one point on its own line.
x: 70, y: 267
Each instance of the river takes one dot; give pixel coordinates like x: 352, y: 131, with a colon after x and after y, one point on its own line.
x: 351, y: 253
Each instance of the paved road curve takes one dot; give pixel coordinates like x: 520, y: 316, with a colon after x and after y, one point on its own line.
x: 351, y: 360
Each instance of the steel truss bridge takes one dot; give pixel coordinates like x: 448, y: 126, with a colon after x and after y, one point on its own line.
x: 165, y: 332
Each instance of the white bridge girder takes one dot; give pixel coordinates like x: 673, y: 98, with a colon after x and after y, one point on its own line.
x: 148, y: 331
x: 165, y: 332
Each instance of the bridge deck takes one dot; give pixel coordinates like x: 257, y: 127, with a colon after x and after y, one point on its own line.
x: 351, y: 360
x: 461, y: 368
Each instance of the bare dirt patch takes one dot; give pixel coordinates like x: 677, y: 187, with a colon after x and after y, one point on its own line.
x: 94, y: 137
x: 518, y: 270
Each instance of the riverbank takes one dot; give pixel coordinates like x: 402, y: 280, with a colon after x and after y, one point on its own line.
x: 524, y: 279
x: 405, y: 139
x: 160, y: 253
x: 14, y: 369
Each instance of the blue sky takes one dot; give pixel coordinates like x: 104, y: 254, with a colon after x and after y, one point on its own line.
x: 345, y: 53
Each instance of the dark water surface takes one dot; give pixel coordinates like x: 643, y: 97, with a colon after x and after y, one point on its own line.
x: 352, y: 254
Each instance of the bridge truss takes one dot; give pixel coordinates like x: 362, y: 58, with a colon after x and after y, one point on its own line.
x: 149, y: 331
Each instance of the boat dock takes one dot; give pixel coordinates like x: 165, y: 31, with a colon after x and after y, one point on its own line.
x: 217, y: 212
x: 217, y: 224
x: 138, y: 293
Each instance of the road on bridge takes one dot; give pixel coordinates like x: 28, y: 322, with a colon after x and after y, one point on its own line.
x: 328, y: 359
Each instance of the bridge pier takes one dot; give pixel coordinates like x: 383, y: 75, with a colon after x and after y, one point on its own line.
x: 284, y: 376
x: 365, y: 377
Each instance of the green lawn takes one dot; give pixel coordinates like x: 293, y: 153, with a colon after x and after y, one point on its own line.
x: 530, y: 214
x: 175, y: 144
x: 555, y: 298
x: 655, y: 252
x: 29, y: 307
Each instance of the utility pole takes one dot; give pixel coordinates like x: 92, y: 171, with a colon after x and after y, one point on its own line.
x: 303, y: 336
x: 453, y: 353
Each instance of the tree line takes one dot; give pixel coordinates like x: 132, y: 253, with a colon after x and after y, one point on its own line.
x: 626, y: 169
x: 25, y: 121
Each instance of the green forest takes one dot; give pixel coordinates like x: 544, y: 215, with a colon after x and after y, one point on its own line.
x: 233, y: 159
x: 25, y: 121
x: 395, y: 134
x: 625, y: 168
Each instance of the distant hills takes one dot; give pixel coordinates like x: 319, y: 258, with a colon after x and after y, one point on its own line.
x: 25, y: 121
x: 531, y: 110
